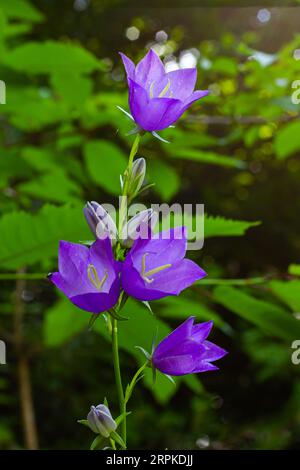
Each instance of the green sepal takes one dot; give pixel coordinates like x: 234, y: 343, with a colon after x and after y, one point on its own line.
x: 170, y: 379
x: 86, y: 242
x: 84, y: 422
x: 117, y: 438
x: 116, y: 316
x: 146, y: 354
x: 97, y: 443
x: 148, y: 306
x: 92, y: 320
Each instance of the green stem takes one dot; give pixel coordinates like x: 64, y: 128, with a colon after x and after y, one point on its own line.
x: 132, y: 154
x: 134, y: 381
x: 118, y: 378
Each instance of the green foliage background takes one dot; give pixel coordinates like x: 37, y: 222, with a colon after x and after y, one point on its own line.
x: 63, y: 141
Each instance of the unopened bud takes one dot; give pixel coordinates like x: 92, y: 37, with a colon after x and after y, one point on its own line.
x: 140, y: 226
x: 101, y: 421
x: 99, y: 221
x: 136, y: 177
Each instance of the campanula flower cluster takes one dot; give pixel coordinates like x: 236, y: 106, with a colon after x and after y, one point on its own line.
x: 131, y: 259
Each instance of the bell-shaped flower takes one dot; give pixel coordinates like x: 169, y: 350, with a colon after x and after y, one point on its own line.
x: 101, y: 421
x: 139, y: 226
x: 89, y: 277
x: 186, y: 350
x: 155, y: 267
x: 158, y: 98
x: 99, y: 221
x: 136, y: 177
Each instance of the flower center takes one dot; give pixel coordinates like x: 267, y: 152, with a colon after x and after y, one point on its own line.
x: 146, y: 274
x: 163, y: 92
x: 94, y: 278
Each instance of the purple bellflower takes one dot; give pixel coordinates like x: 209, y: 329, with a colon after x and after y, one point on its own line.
x: 156, y: 267
x: 186, y: 350
x: 101, y: 421
x: 89, y: 277
x: 158, y: 98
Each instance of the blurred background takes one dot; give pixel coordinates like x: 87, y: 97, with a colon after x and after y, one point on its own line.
x: 63, y: 141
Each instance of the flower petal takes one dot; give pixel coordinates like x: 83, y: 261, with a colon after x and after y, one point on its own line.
x: 178, y: 277
x: 129, y: 65
x: 149, y: 114
x: 201, y: 331
x: 169, y: 245
x: 212, y: 352
x: 182, y: 82
x: 175, y: 365
x: 61, y: 283
x: 72, y: 264
x: 102, y: 258
x: 173, y: 341
x: 149, y: 69
x: 204, y: 367
x: 72, y: 257
x: 197, y: 95
x: 98, y: 302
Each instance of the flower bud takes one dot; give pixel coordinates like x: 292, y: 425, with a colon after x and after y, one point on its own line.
x: 99, y: 221
x: 136, y: 177
x: 101, y: 421
x: 139, y: 226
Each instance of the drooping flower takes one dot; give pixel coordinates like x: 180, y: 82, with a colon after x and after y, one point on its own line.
x: 186, y: 350
x: 89, y: 277
x: 101, y: 421
x: 155, y: 267
x: 158, y: 98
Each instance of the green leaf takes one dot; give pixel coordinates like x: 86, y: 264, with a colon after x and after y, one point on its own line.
x: 166, y: 180
x: 72, y: 87
x: 269, y: 317
x: 27, y: 239
x: 34, y: 108
x: 51, y: 57
x: 182, y: 307
x: 287, y: 140
x: 213, y: 158
x: 105, y: 163
x: 294, y: 269
x: 288, y: 292
x: 225, y: 66
x: 20, y: 10
x: 54, y: 186
x: 217, y: 226
x: 62, y: 322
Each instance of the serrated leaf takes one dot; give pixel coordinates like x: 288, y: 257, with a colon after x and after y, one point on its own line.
x: 27, y: 239
x: 217, y: 226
